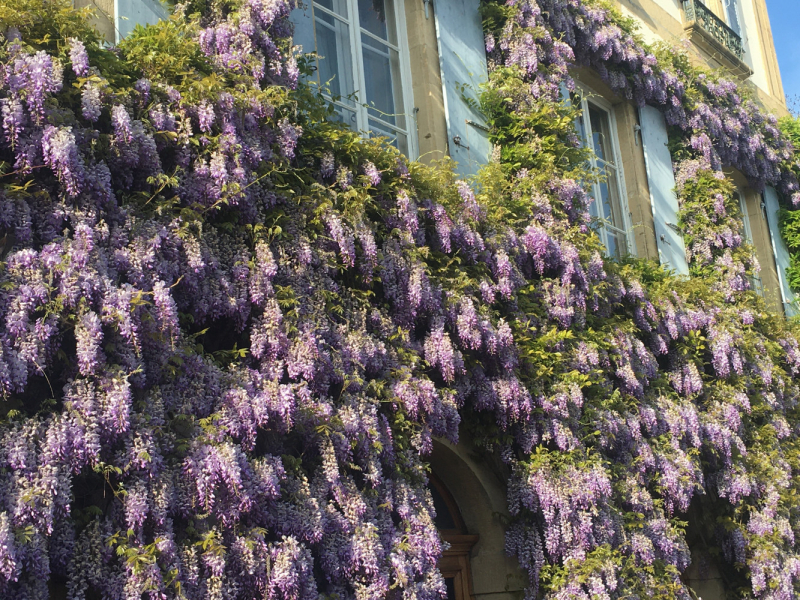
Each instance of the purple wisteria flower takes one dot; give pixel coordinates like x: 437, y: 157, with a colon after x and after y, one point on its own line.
x: 78, y: 57
x: 61, y: 154
x: 91, y: 104
x: 327, y: 165
x: 196, y: 340
x: 372, y: 173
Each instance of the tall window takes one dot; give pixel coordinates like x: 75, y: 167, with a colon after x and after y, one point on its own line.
x: 748, y: 232
x: 362, y: 63
x: 755, y: 280
x: 597, y: 129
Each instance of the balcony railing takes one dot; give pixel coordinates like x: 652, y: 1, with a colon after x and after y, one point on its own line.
x: 699, y: 13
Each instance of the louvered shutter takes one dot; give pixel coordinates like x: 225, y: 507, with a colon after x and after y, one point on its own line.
x: 462, y: 59
x: 130, y: 13
x: 782, y: 257
x: 661, y: 181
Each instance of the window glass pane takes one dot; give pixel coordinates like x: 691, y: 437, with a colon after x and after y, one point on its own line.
x: 612, y: 198
x: 335, y: 59
x: 604, y: 202
x: 383, y: 93
x: 581, y: 126
x: 613, y: 245
x: 377, y: 17
x: 450, y: 584
x: 616, y: 243
x: 594, y: 207
x: 608, y: 204
x: 303, y: 29
x: 343, y: 115
x: 375, y: 93
x: 444, y: 518
x: 748, y: 236
x: 396, y: 139
x: 733, y: 16
x: 337, y: 6
x: 600, y: 133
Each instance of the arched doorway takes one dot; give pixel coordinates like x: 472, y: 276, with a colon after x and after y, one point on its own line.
x: 454, y: 564
x: 469, y: 494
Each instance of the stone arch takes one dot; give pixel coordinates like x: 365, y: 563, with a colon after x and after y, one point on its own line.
x: 479, y: 491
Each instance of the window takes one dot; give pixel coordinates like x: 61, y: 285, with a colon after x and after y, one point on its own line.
x: 755, y: 281
x: 362, y: 63
x: 732, y: 16
x: 748, y: 233
x: 597, y: 130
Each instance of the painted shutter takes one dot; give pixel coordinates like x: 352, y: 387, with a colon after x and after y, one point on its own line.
x: 661, y: 181
x: 782, y: 257
x: 462, y: 59
x: 130, y: 13
x: 303, y: 22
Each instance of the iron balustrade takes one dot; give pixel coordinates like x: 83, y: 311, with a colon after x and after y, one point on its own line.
x: 700, y: 14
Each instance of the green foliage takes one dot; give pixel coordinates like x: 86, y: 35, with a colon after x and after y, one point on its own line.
x: 168, y: 52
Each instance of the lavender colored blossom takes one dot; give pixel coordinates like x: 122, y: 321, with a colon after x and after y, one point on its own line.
x: 327, y: 165
x: 372, y: 173
x: 343, y: 237
x: 205, y: 114
x: 143, y: 86
x: 13, y: 120
x: 122, y: 124
x: 288, y: 137
x: 34, y: 77
x: 344, y: 177
x: 472, y: 210
x: 78, y: 57
x: 232, y: 370
x: 439, y: 352
x: 407, y: 212
x: 61, y: 154
x: 166, y: 308
x: 10, y: 566
x: 162, y: 119
x: 91, y: 103
x: 89, y: 336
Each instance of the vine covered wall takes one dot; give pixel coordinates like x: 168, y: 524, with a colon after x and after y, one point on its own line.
x: 232, y: 329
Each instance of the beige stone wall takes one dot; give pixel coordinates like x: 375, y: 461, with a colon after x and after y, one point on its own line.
x: 426, y: 81
x: 672, y: 7
x: 704, y: 577
x: 770, y: 58
x: 103, y: 18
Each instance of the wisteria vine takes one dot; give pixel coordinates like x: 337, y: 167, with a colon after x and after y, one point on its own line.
x: 232, y: 330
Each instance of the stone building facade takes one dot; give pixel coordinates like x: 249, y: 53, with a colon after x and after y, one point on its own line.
x: 410, y: 70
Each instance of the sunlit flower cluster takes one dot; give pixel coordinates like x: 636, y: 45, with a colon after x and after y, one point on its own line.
x: 232, y: 335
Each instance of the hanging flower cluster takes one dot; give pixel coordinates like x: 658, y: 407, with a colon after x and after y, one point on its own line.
x: 544, y: 37
x: 673, y: 416
x: 712, y: 221
x: 232, y: 330
x: 167, y: 353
